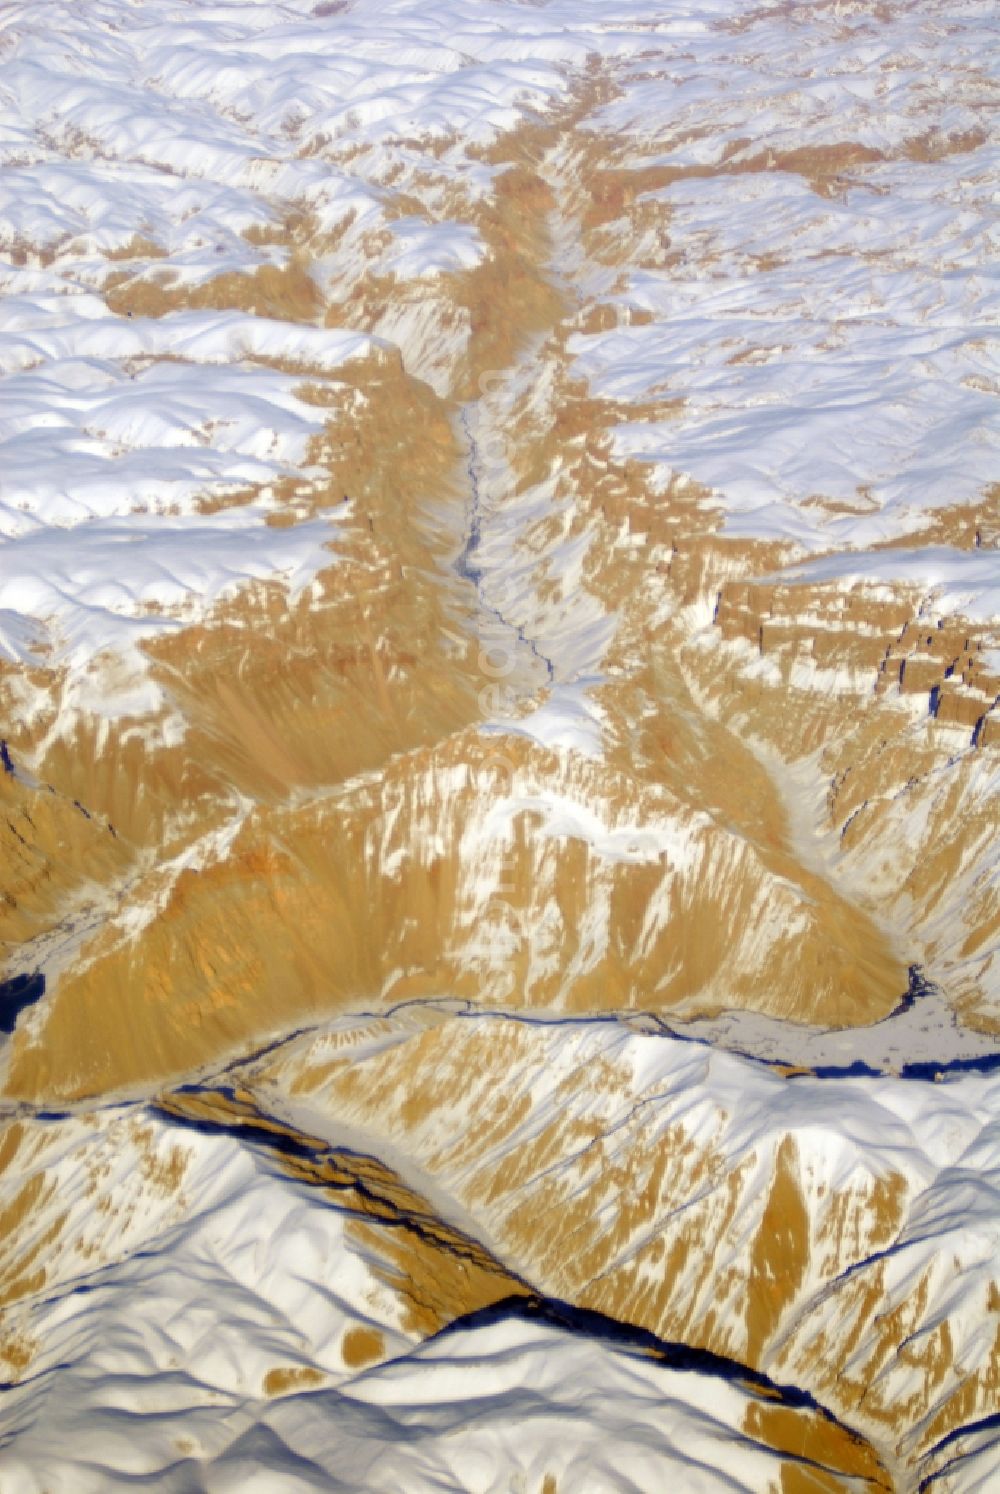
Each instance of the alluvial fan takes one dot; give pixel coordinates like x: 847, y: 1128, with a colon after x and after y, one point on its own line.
x: 499, y: 747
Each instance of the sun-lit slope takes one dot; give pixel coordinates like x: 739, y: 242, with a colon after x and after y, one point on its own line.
x: 839, y: 1234
x: 198, y: 1294
x: 213, y: 1260
x: 59, y: 863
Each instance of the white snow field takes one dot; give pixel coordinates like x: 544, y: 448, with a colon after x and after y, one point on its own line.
x: 106, y: 451
x: 833, y: 402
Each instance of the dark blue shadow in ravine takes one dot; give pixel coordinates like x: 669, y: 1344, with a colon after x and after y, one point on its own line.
x: 18, y: 992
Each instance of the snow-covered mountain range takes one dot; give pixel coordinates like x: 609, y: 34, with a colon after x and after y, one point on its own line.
x: 500, y: 794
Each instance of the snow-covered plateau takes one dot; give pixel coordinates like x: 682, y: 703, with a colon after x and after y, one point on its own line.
x: 499, y: 746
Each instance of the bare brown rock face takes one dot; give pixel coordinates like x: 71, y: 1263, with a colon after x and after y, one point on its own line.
x: 500, y: 801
